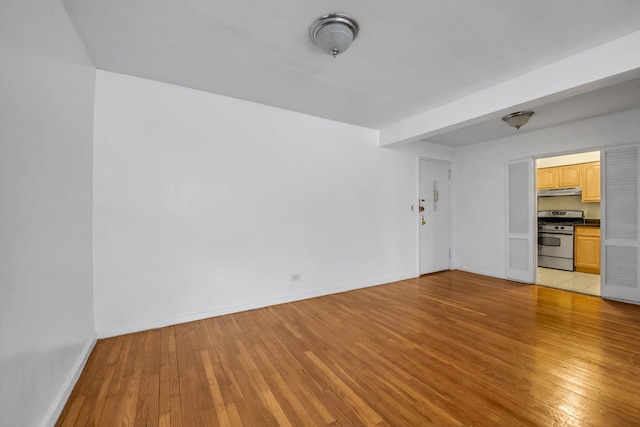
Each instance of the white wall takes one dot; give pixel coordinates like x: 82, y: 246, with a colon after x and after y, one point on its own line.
x: 481, y: 181
x: 46, y: 297
x: 205, y: 205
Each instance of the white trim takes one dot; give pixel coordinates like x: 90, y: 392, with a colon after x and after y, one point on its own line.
x: 534, y: 220
x: 482, y: 273
x: 170, y: 321
x: 417, y: 216
x: 54, y: 411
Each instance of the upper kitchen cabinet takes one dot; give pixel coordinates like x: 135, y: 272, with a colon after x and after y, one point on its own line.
x: 591, y: 182
x: 559, y: 177
x: 569, y: 176
x: 547, y: 178
x: 585, y: 175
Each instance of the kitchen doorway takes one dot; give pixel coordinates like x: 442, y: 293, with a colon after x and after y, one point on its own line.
x: 568, y: 197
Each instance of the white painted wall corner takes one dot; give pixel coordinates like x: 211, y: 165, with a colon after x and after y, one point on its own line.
x: 54, y: 411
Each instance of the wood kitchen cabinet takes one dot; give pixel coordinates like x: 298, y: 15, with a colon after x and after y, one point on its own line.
x: 559, y: 177
x: 585, y: 175
x: 587, y: 249
x: 547, y: 178
x: 591, y: 182
x: 570, y: 175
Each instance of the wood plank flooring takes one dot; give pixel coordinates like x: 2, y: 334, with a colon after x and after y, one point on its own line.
x: 448, y: 349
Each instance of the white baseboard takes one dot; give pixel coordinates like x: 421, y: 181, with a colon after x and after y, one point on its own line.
x: 160, y: 323
x: 65, y: 391
x: 482, y: 273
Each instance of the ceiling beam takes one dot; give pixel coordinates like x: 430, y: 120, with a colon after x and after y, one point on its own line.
x: 601, y: 66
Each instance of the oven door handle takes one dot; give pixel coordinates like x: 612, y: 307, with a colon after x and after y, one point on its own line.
x: 552, y: 239
x: 548, y: 241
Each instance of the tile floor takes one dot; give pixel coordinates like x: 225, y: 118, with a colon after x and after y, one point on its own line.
x: 584, y: 283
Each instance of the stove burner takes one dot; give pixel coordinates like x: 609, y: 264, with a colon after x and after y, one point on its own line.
x: 561, y: 218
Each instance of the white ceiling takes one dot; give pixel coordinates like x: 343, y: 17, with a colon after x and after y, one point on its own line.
x: 611, y: 99
x: 410, y: 56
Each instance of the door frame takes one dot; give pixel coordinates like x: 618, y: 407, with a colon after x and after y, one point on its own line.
x: 417, y: 210
x: 535, y: 158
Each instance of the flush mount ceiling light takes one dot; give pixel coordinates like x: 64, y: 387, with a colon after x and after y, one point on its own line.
x: 518, y: 119
x: 334, y: 32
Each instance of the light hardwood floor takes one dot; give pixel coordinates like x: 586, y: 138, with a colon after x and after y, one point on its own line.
x: 451, y: 348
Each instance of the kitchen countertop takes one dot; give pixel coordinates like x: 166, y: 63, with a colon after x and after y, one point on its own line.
x: 590, y: 223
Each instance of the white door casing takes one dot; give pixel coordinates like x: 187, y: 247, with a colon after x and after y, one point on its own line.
x: 520, y: 222
x: 620, y: 217
x: 435, y: 231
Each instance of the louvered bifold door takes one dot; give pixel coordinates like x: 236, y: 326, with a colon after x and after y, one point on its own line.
x: 519, y: 221
x: 620, y: 224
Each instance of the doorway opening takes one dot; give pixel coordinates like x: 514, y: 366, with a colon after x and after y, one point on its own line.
x: 568, y: 217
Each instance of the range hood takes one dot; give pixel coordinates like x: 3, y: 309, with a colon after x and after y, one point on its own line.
x: 568, y: 191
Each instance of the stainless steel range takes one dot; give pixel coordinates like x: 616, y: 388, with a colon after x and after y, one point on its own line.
x: 555, y: 238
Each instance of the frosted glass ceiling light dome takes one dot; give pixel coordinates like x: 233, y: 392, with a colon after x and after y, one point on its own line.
x: 334, y: 32
x: 518, y: 119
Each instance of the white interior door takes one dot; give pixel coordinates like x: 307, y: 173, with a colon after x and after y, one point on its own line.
x: 520, y: 221
x: 620, y: 174
x: 435, y: 215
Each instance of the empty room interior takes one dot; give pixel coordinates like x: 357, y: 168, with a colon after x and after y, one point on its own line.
x: 283, y: 213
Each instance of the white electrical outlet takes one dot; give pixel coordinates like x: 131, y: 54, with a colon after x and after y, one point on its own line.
x: 296, y: 277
